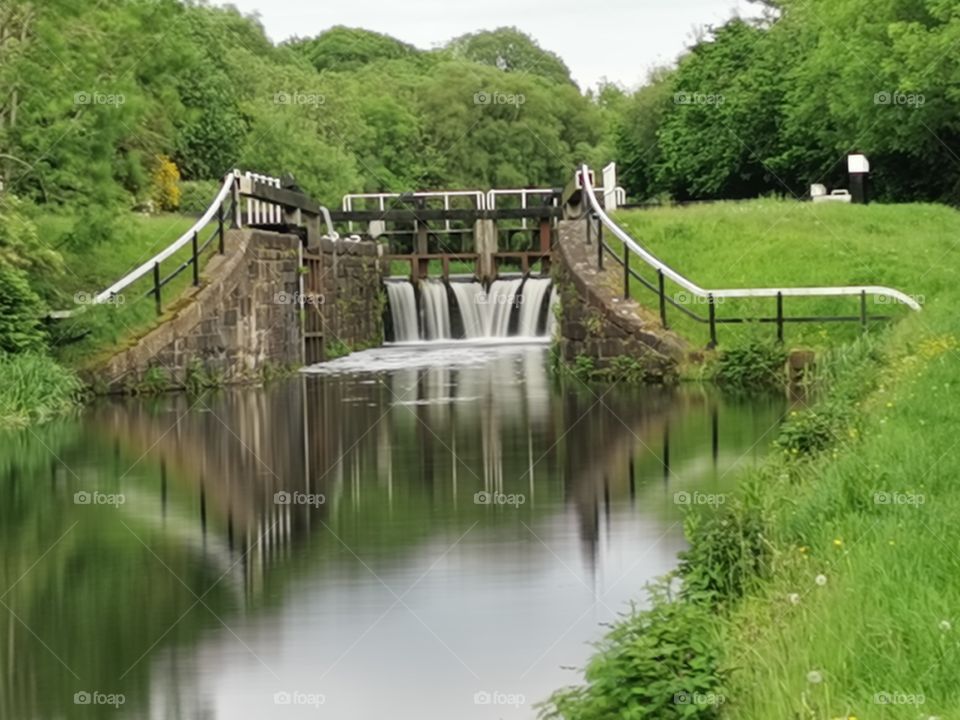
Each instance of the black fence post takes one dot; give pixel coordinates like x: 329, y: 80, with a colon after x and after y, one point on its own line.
x: 863, y: 309
x: 779, y: 317
x: 220, y: 225
x: 589, y: 228
x: 663, y: 299
x: 599, y: 245
x: 713, y: 320
x: 156, y: 287
x: 626, y: 272
x: 195, y: 260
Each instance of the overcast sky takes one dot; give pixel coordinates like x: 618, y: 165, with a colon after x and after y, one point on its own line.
x: 617, y: 39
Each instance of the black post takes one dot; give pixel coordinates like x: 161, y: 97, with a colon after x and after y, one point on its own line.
x: 220, y: 225
x: 599, y: 246
x: 663, y: 300
x: 863, y: 309
x: 156, y: 286
x: 589, y: 228
x: 713, y: 320
x: 195, y: 261
x: 780, y: 317
x: 626, y: 272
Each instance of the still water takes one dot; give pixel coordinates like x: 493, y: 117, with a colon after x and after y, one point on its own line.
x: 406, y: 533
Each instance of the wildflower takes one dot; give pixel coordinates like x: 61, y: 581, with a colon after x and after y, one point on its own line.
x: 838, y: 542
x: 814, y: 677
x: 803, y: 549
x: 821, y: 580
x: 945, y: 625
x: 794, y: 598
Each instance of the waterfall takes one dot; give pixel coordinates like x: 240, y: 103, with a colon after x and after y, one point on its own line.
x: 403, y: 311
x: 436, y: 309
x: 500, y: 301
x: 483, y: 315
x: 534, y: 290
x: 469, y: 296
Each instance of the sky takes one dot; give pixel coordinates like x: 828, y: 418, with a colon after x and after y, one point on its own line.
x: 620, y: 40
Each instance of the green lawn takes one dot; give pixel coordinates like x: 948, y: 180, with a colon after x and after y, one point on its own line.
x: 92, y: 269
x: 786, y: 243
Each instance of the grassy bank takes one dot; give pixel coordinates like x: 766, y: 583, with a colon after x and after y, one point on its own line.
x: 775, y: 243
x: 828, y: 587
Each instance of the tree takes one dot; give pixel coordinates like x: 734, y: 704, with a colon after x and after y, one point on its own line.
x: 512, y: 51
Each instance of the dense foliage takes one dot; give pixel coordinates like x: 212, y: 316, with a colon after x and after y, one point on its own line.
x: 94, y: 93
x: 774, y: 105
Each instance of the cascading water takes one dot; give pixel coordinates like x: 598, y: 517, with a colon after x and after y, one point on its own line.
x: 483, y: 315
x: 500, y: 301
x: 470, y: 297
x: 534, y: 290
x: 403, y: 311
x: 435, y: 307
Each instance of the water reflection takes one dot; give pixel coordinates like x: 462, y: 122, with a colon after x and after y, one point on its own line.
x: 478, y: 521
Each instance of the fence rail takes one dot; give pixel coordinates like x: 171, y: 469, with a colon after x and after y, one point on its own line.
x: 712, y: 297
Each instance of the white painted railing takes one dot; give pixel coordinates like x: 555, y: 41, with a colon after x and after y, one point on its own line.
x: 585, y: 181
x: 523, y: 194
x: 180, y: 242
x: 260, y: 212
x: 477, y: 196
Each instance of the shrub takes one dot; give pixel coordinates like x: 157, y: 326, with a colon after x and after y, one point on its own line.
x: 196, y: 195
x: 658, y: 663
x: 756, y: 364
x: 165, y: 184
x: 20, y: 313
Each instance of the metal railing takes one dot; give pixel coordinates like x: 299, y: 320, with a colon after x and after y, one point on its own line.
x: 218, y: 210
x: 712, y: 297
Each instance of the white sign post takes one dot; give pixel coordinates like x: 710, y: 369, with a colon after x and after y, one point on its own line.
x: 610, y: 187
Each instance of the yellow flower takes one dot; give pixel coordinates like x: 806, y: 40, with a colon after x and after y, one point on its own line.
x: 838, y: 542
x: 803, y: 549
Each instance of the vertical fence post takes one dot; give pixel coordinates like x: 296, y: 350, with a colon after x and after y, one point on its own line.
x: 195, y: 260
x: 599, y: 245
x: 220, y: 225
x: 589, y: 229
x: 863, y: 309
x: 663, y: 299
x: 713, y: 320
x: 156, y: 286
x: 780, y: 317
x: 626, y: 272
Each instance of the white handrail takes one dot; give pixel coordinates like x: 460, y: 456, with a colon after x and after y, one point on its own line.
x: 657, y: 264
x: 180, y: 242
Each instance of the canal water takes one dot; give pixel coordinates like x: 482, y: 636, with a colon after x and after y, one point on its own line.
x: 425, y: 533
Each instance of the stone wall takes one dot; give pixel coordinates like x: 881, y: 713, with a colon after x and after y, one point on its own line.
x: 244, y: 320
x: 345, y: 278
x: 597, y: 323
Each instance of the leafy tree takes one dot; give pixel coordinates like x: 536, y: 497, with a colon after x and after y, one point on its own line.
x: 342, y: 49
x: 510, y: 50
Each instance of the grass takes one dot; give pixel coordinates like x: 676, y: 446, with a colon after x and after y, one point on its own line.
x: 830, y: 587
x: 785, y: 243
x: 34, y: 388
x: 102, y: 329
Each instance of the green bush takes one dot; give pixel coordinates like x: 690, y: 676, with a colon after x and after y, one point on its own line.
x: 20, y: 312
x: 196, y: 195
x: 726, y: 552
x: 756, y: 364
x: 658, y: 663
